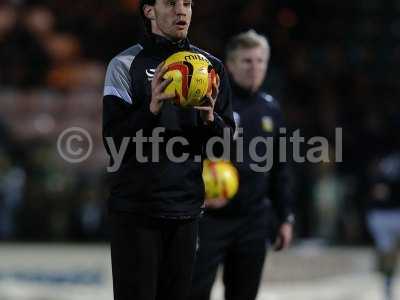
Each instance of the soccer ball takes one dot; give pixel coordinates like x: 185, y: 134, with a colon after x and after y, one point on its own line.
x: 192, y: 77
x: 221, y: 179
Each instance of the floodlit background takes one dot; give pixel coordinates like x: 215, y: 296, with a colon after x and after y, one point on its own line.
x: 334, y: 64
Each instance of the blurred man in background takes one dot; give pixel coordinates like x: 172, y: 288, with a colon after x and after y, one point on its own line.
x: 236, y: 232
x: 384, y: 215
x: 155, y: 202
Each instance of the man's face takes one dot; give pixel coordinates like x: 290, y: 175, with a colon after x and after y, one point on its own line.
x: 248, y: 67
x: 171, y: 18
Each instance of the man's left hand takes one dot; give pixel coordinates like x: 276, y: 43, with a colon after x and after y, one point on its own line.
x: 215, y: 203
x: 207, y: 110
x: 284, y: 238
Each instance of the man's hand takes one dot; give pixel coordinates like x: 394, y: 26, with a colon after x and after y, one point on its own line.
x: 215, y: 203
x: 284, y: 238
x: 158, y: 85
x: 207, y: 109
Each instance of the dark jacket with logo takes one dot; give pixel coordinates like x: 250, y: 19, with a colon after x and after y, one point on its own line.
x: 259, y: 117
x: 148, y: 182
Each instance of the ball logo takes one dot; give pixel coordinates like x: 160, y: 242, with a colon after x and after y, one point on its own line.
x: 195, y: 57
x: 200, y: 81
x: 203, y: 70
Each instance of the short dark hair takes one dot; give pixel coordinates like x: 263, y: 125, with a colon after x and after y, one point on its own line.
x: 146, y: 21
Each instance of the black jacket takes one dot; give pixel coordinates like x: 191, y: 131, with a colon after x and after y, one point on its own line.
x: 384, y: 182
x: 259, y: 117
x: 157, y: 188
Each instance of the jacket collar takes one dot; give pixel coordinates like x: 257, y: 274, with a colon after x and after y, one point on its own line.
x: 241, y: 92
x: 160, y: 45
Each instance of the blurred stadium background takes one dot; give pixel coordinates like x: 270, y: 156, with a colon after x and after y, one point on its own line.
x: 334, y: 64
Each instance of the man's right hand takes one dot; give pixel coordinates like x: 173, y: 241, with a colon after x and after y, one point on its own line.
x: 158, y: 85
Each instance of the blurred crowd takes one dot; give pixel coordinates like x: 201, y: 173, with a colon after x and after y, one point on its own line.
x: 334, y: 64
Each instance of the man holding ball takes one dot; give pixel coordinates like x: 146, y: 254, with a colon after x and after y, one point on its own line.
x: 235, y: 233
x: 155, y: 203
